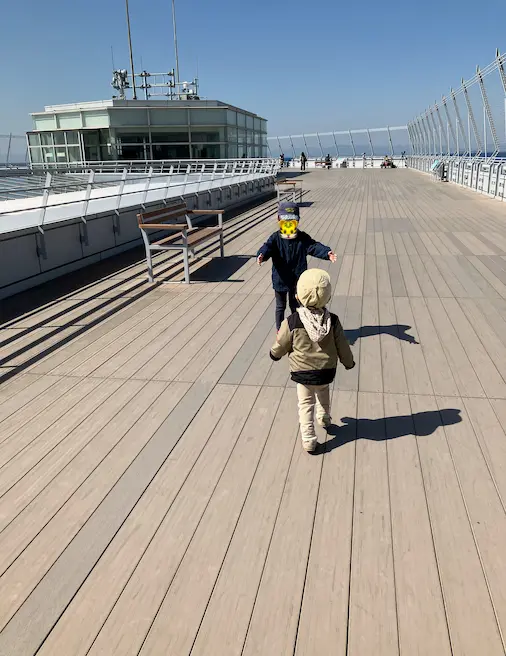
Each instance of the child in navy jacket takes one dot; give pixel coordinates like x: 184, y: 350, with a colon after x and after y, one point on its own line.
x: 288, y: 248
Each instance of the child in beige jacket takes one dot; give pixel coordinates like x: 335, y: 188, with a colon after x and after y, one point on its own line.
x: 315, y: 342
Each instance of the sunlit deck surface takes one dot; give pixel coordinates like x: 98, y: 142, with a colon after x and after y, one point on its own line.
x: 155, y: 498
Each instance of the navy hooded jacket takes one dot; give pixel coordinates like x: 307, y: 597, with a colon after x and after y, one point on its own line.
x: 289, y: 258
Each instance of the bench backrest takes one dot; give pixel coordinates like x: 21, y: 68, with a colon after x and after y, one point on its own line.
x: 172, y: 214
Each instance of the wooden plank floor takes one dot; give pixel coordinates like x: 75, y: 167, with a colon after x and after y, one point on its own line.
x: 154, y: 497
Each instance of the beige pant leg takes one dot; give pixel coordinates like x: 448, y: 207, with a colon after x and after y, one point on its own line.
x: 322, y: 393
x: 306, y: 396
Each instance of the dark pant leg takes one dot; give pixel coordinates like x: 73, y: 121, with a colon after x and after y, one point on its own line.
x: 280, y: 307
x: 292, y: 301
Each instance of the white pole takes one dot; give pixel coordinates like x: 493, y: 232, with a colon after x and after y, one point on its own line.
x: 485, y: 130
x: 130, y: 49
x: 469, y: 132
x: 175, y: 43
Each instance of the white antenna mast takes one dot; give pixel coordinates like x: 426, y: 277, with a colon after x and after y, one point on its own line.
x: 175, y: 42
x: 130, y: 48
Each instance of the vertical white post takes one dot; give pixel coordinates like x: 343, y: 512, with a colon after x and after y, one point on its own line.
x: 469, y: 132
x: 485, y: 130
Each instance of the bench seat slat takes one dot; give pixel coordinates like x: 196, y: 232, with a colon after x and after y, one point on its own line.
x: 210, y: 212
x: 195, y: 237
x: 164, y: 226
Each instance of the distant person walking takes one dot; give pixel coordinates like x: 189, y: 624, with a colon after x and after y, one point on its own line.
x: 303, y: 160
x: 282, y: 160
x: 328, y: 162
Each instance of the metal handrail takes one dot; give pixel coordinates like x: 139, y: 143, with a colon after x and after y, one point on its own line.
x: 479, y: 174
x: 231, y: 172
x: 175, y: 167
x: 161, y: 166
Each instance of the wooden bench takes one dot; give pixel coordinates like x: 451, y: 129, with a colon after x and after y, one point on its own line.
x: 177, y: 220
x: 290, y: 187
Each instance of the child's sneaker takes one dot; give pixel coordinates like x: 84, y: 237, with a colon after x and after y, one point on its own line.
x: 325, y: 421
x: 310, y: 445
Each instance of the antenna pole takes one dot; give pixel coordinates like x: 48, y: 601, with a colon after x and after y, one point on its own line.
x: 175, y: 44
x: 130, y: 48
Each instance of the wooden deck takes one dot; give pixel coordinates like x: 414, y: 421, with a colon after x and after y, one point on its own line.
x: 154, y: 497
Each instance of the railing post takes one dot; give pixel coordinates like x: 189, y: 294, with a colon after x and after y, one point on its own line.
x: 116, y: 227
x: 45, y: 198
x: 87, y: 196
x: 146, y: 187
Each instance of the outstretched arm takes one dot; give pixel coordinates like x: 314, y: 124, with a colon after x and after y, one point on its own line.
x: 283, y: 343
x: 316, y: 249
x: 343, y: 348
x: 265, y: 251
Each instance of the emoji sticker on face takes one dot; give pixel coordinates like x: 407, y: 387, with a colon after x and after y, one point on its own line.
x: 288, y: 227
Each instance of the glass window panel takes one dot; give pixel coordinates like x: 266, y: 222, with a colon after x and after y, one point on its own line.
x: 241, y: 134
x: 257, y: 138
x: 206, y: 151
x: 241, y: 119
x: 45, y: 122
x: 104, y: 137
x: 209, y: 116
x: 34, y: 139
x: 74, y: 154
x: 61, y: 154
x: 249, y: 122
x: 92, y: 153
x: 169, y: 137
x: 164, y: 116
x: 232, y: 134
x: 257, y: 125
x: 231, y: 117
x: 208, y: 135
x: 36, y: 155
x: 232, y: 151
x: 48, y: 154
x: 91, y: 138
x: 132, y: 138
x: 46, y: 138
x: 121, y: 117
x: 99, y: 119
x: 263, y: 125
x: 172, y: 151
x: 131, y: 152
x: 59, y: 138
x: 72, y: 137
x: 70, y: 120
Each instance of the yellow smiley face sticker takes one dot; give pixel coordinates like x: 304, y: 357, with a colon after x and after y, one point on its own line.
x: 288, y: 227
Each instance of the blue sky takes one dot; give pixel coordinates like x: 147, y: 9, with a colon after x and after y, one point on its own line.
x: 305, y: 66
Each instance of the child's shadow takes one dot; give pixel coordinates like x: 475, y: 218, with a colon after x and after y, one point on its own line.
x: 396, y: 330
x: 420, y: 423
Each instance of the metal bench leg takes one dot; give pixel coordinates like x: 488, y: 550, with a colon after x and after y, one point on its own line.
x: 186, y: 266
x: 149, y: 261
x: 150, y: 266
x: 222, y: 246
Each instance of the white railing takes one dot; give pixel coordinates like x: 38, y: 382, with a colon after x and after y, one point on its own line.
x: 112, y: 190
x: 13, y: 151
x: 349, y: 144
x: 362, y: 162
x: 476, y: 173
x: 468, y: 120
x: 170, y: 166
